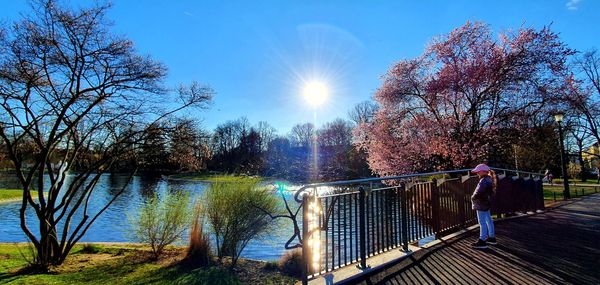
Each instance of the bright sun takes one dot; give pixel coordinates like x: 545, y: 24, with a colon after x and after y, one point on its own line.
x: 315, y: 93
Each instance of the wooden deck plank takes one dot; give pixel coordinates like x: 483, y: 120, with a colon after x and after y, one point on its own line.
x: 561, y: 246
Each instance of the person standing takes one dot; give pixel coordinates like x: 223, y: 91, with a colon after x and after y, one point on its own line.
x: 482, y: 202
x: 598, y: 175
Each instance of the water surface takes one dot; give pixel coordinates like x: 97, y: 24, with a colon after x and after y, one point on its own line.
x: 114, y: 226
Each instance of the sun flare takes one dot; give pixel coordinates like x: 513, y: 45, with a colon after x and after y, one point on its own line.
x: 315, y: 93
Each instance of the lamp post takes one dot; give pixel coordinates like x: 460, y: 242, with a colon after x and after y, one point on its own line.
x: 558, y: 117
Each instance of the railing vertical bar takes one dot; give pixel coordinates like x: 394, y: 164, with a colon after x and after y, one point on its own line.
x: 419, y: 215
x: 333, y: 204
x: 424, y: 206
x: 449, y: 221
x: 305, y: 248
x: 456, y: 204
x: 321, y: 223
x: 345, y: 230
x: 325, y: 212
x: 391, y: 218
x: 428, y: 212
x: 372, y: 225
x: 404, y: 213
x: 380, y: 224
x: 394, y: 221
x: 386, y: 218
x: 389, y: 202
x: 461, y: 205
x: 398, y: 218
x: 362, y: 220
x: 444, y: 205
x: 357, y: 222
x: 374, y: 219
x: 410, y: 208
x: 435, y: 209
x: 351, y: 227
x: 339, y: 233
x: 383, y: 220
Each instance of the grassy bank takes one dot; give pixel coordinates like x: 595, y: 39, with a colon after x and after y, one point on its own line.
x: 9, y: 195
x: 131, y: 264
x: 550, y: 191
x: 576, y: 181
x: 214, y: 177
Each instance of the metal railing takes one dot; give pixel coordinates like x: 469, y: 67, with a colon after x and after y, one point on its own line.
x: 346, y: 222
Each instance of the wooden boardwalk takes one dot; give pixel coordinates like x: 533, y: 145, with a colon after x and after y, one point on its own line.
x: 561, y: 246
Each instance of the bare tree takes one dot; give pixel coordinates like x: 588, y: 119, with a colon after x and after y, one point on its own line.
x: 188, y: 151
x: 584, y: 95
x: 362, y: 112
x: 335, y: 133
x: 301, y: 134
x: 267, y: 134
x: 73, y: 89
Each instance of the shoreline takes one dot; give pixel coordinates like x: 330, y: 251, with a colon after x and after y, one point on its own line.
x: 11, y: 200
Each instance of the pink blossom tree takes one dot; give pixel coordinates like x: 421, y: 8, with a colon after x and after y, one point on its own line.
x: 450, y: 106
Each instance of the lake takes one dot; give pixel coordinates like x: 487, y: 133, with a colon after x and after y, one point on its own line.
x: 113, y: 225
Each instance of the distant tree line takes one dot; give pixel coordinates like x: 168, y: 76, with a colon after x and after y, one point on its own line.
x: 241, y: 148
x: 180, y: 145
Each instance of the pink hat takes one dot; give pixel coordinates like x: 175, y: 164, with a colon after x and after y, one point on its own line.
x: 480, y: 167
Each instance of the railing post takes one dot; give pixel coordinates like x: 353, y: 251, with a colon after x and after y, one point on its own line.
x: 362, y: 219
x: 435, y: 208
x: 305, y: 238
x: 462, y: 211
x: 404, y: 213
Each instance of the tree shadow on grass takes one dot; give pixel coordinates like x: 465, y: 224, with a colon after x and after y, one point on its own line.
x: 136, y: 267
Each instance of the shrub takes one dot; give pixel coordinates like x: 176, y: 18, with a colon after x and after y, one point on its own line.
x: 238, y: 211
x: 291, y: 263
x: 198, y: 252
x: 161, y: 222
x: 91, y: 248
x: 271, y: 265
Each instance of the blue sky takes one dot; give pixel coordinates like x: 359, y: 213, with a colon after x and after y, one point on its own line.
x: 258, y: 54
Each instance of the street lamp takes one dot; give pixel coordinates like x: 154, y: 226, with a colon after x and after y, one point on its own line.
x: 558, y: 117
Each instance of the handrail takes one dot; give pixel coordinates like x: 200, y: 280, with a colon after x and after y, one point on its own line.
x: 405, y: 176
x: 516, y: 171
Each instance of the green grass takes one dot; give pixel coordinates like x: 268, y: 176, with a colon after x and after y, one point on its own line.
x: 120, y: 264
x: 574, y: 190
x: 215, y: 177
x: 575, y: 181
x: 12, y: 194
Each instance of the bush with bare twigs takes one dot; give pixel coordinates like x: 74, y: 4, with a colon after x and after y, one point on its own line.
x: 291, y: 263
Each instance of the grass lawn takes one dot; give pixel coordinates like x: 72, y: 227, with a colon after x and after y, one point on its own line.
x: 575, y: 181
x: 215, y: 177
x: 12, y: 194
x: 130, y: 264
x: 574, y: 190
